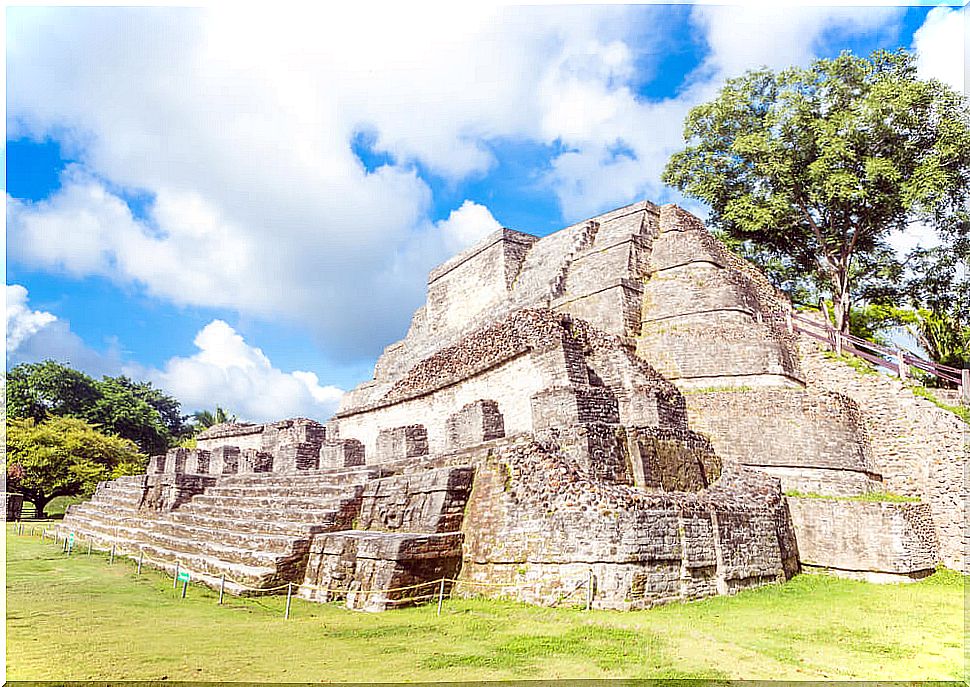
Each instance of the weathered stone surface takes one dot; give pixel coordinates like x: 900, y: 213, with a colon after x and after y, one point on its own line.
x: 224, y: 460
x: 375, y: 571
x: 341, y: 453
x: 817, y: 438
x: 859, y: 537
x: 427, y: 501
x: 475, y: 423
x: 539, y: 523
x: 401, y: 443
x: 710, y: 318
x: 918, y: 449
x: 251, y: 460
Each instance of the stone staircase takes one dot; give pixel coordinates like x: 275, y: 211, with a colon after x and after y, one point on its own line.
x: 255, y: 529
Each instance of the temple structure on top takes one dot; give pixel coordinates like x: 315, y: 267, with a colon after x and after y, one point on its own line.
x: 623, y: 401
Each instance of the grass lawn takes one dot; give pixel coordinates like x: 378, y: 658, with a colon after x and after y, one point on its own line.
x: 78, y: 618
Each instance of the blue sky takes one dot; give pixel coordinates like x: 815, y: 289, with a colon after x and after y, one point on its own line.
x: 243, y: 207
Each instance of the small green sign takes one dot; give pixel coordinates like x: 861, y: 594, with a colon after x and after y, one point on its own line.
x: 183, y: 576
x: 70, y: 539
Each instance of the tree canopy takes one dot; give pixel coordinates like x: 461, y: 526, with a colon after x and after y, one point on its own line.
x: 117, y: 405
x: 203, y: 419
x: 811, y: 170
x: 64, y: 456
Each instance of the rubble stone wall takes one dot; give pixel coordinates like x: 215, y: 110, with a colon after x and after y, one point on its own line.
x: 539, y: 523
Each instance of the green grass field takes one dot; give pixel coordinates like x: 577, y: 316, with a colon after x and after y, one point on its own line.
x: 78, y: 618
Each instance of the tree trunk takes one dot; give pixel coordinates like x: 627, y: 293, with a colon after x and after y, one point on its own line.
x: 40, y: 502
x: 841, y: 301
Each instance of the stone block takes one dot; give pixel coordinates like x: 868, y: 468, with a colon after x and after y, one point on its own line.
x: 375, y: 571
x: 598, y: 448
x: 574, y: 405
x: 872, y: 540
x: 397, y: 443
x: 671, y: 459
x: 475, y: 423
x: 341, y: 453
x: 176, y: 460
x: 156, y: 464
x: 224, y: 460
x: 427, y: 501
x: 251, y: 460
x: 197, y: 462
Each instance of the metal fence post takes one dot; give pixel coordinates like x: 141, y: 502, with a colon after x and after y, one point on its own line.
x: 222, y: 588
x: 89, y: 547
x: 441, y: 594
x: 965, y: 385
x: 900, y: 364
x: 111, y: 558
x: 175, y: 580
x: 141, y: 557
x: 289, y: 595
x: 185, y: 586
x: 589, y: 589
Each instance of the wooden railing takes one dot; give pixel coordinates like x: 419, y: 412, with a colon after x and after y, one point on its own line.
x: 894, y: 359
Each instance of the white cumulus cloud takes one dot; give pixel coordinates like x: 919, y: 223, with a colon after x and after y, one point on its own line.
x: 939, y: 46
x: 228, y: 372
x: 240, y: 127
x: 22, y: 322
x: 36, y: 335
x: 467, y: 225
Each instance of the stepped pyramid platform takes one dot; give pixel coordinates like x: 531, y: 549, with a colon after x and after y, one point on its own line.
x: 621, y: 401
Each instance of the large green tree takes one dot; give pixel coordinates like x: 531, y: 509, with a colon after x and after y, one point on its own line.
x: 64, y: 456
x: 813, y: 169
x: 116, y: 405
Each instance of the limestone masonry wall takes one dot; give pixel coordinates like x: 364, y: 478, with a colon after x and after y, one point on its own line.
x: 538, y: 523
x: 868, y: 540
x: 709, y: 318
x: 919, y: 449
x: 814, y: 441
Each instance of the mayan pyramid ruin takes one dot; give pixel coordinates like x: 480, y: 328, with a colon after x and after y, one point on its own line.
x: 623, y: 404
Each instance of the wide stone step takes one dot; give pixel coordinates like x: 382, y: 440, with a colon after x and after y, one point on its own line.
x: 203, y: 568
x: 130, y: 534
x: 326, y: 522
x: 128, y: 480
x: 101, y: 509
x: 334, y: 477
x: 269, y: 503
x: 307, y: 490
x: 315, y: 516
x: 123, y: 500
x: 224, y: 533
